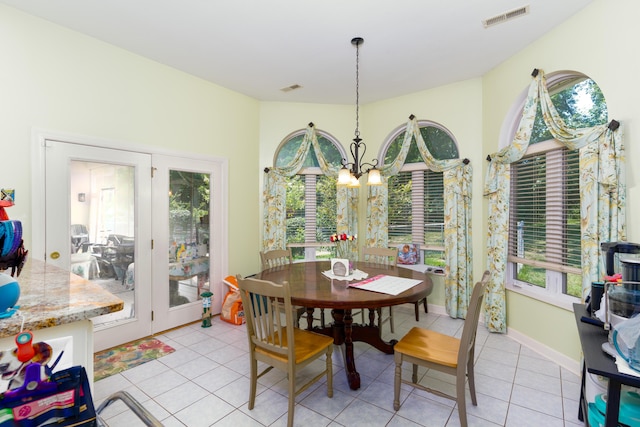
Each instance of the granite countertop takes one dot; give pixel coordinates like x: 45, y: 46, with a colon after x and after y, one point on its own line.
x: 50, y: 296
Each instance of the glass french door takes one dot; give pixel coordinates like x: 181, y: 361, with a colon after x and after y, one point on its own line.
x: 158, y: 243
x: 98, y: 225
x: 186, y: 256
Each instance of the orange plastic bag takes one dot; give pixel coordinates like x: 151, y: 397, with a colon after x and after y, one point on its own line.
x: 232, y: 310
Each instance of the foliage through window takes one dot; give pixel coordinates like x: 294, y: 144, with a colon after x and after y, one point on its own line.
x: 310, y: 198
x: 287, y: 150
x: 416, y: 203
x: 580, y: 103
x: 188, y: 206
x: 544, y: 224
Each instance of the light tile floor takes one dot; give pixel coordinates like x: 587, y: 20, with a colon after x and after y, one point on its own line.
x: 205, y: 382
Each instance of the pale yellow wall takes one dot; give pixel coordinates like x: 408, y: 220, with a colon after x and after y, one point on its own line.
x: 55, y: 79
x: 597, y: 41
x: 279, y: 119
x: 58, y: 80
x: 600, y: 41
x: 456, y: 106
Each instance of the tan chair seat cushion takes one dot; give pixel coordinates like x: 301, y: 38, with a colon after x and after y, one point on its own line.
x: 430, y: 346
x: 307, y: 344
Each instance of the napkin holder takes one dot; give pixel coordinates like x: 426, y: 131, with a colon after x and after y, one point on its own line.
x: 340, y: 266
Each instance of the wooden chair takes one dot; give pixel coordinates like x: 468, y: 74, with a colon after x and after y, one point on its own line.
x: 274, y: 340
x: 416, y: 307
x: 383, y: 255
x: 275, y: 258
x: 386, y: 256
x: 280, y: 257
x: 433, y: 350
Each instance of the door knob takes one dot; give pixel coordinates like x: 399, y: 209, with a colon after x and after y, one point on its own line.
x: 55, y: 255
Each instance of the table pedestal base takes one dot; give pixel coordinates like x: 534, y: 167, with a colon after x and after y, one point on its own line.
x: 345, y: 332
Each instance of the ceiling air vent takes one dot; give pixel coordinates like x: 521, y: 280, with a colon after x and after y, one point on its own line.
x: 290, y: 88
x: 506, y: 16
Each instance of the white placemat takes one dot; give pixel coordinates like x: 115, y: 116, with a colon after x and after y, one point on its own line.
x: 391, y: 285
x: 356, y: 275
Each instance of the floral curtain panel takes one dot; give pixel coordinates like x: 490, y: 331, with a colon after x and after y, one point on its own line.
x: 274, y: 194
x: 602, y: 193
x: 457, y: 223
x: 378, y: 198
x: 457, y: 240
x: 347, y: 219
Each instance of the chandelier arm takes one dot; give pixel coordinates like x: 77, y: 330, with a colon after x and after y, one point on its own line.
x: 364, y: 150
x: 354, y: 153
x: 373, y: 165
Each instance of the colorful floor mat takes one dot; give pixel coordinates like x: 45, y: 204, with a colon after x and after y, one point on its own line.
x: 127, y: 356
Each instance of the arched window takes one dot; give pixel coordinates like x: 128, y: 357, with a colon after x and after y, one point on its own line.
x: 544, y: 223
x: 311, y: 196
x: 416, y: 204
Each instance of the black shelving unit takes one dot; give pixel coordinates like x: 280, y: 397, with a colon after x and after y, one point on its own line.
x: 597, y: 362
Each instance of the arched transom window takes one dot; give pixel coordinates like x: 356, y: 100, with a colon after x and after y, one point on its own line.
x: 311, y: 197
x: 544, y: 230
x: 416, y: 206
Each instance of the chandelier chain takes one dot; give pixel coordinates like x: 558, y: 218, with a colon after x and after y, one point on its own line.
x: 357, y: 133
x: 352, y: 171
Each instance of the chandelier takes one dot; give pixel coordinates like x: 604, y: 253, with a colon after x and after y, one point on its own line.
x: 352, y: 171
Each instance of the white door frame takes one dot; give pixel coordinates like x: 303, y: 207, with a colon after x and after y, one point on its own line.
x: 166, y: 317
x: 59, y: 182
x: 38, y: 191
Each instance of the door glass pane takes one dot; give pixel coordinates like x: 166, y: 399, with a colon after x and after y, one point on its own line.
x: 103, y: 231
x: 189, y: 236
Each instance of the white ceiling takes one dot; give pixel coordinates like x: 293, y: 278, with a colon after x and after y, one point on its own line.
x: 257, y: 47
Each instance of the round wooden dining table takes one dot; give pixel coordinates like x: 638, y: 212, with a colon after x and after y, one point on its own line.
x: 310, y: 288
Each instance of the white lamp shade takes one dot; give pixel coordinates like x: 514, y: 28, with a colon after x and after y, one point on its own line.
x: 355, y: 182
x: 344, y: 176
x: 374, y: 177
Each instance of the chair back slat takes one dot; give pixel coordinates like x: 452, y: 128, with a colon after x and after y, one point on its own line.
x: 386, y: 256
x: 267, y: 308
x: 272, y: 339
x: 467, y: 341
x: 261, y: 313
x: 276, y: 258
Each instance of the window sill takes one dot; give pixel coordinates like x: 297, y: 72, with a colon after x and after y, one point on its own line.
x: 561, y: 301
x: 437, y: 271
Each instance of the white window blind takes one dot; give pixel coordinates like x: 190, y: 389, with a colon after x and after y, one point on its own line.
x: 433, y: 210
x: 296, y: 209
x: 325, y: 208
x: 311, y: 211
x: 400, y: 215
x: 416, y: 208
x: 544, y: 229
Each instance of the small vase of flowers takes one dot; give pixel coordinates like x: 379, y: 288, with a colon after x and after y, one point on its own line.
x: 345, y: 247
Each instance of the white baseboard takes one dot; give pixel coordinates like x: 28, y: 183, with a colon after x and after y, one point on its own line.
x: 555, y: 356
x: 437, y: 309
x: 551, y: 354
